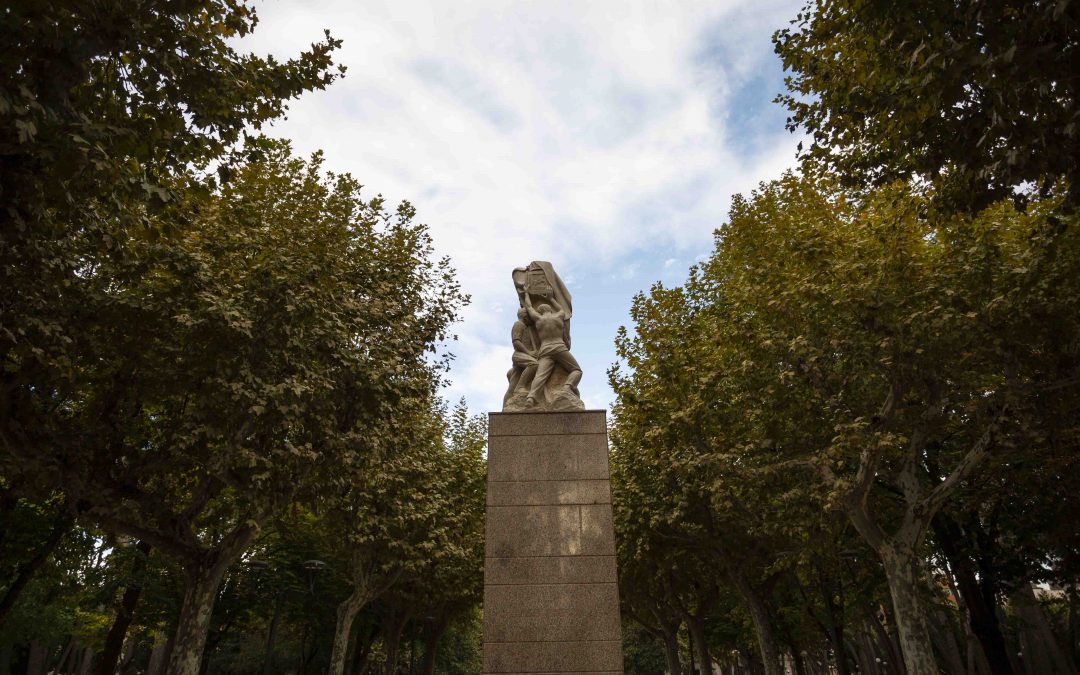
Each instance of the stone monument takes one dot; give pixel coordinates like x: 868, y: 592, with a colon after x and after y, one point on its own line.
x: 551, y: 601
x: 545, y: 374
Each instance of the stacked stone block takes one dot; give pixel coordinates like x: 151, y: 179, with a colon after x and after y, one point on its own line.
x: 551, y: 603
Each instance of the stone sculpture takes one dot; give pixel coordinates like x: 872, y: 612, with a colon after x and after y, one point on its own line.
x: 545, y: 375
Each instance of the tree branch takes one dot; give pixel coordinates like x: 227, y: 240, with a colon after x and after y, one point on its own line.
x: 866, y: 525
x: 155, y: 538
x: 869, y: 458
x: 974, y: 456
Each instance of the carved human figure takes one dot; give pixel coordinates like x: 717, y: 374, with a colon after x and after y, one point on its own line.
x: 525, y: 355
x: 544, y: 375
x: 550, y: 325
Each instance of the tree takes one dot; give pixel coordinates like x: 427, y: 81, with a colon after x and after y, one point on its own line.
x: 683, y: 463
x: 953, y: 325
x: 30, y: 534
x: 241, y: 363
x: 451, y: 581
x: 891, y: 362
x: 413, y: 525
x: 106, y: 110
x: 114, y: 641
x: 979, y: 97
x: 383, y: 518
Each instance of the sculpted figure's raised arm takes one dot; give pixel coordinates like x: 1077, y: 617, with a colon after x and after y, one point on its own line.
x: 545, y: 375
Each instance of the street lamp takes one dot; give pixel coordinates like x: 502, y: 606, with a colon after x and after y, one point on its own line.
x: 312, y: 566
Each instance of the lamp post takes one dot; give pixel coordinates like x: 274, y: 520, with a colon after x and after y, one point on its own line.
x: 312, y: 566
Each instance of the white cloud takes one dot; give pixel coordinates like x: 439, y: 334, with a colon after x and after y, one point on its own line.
x: 589, y: 134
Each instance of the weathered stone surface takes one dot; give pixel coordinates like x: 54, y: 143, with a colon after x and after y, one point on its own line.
x: 513, y: 531
x: 597, y: 529
x: 551, y: 613
x: 530, y: 458
x: 527, y: 493
x: 546, y: 423
x: 565, y: 398
x: 551, y: 602
x: 577, y: 569
x: 553, y: 657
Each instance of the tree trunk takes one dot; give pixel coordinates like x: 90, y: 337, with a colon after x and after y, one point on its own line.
x: 671, y: 653
x: 753, y: 662
x: 308, y: 656
x: 865, y: 653
x: 395, y: 624
x: 362, y: 651
x: 431, y: 645
x: 908, y: 612
x: 191, y: 630
x: 666, y: 629
x: 114, y: 641
x: 834, y: 620
x: 61, y: 526
x: 86, y: 661
x: 1041, y: 651
x: 696, y: 626
x: 944, y: 639
x: 759, y: 615
x: 691, y: 668
x: 65, y: 656
x: 271, y: 633
x: 158, y: 653
x: 346, y: 613
x: 1070, y: 630
x: 976, y: 660
x: 126, y: 655
x: 797, y: 661
x: 980, y: 604
x: 883, y: 645
x: 35, y: 660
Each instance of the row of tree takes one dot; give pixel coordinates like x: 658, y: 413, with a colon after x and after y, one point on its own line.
x: 849, y: 442
x: 221, y: 440
x: 365, y: 580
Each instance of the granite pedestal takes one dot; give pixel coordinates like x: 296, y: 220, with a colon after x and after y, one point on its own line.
x: 551, y: 603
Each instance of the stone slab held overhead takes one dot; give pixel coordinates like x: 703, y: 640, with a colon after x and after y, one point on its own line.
x: 551, y: 599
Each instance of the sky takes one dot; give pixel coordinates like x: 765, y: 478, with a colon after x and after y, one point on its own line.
x: 605, y: 137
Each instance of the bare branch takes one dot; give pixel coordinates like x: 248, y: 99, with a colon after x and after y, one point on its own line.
x: 908, y: 478
x: 974, y: 456
x: 866, y: 525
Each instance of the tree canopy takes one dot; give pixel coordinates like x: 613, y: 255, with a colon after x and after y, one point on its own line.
x: 876, y: 358
x: 980, y: 97
x: 203, y: 338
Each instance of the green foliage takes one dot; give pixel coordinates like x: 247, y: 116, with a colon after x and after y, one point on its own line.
x: 839, y: 363
x: 977, y: 96
x: 642, y: 653
x: 245, y: 358
x: 461, y: 652
x: 941, y: 322
x: 205, y: 340
x: 105, y: 110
